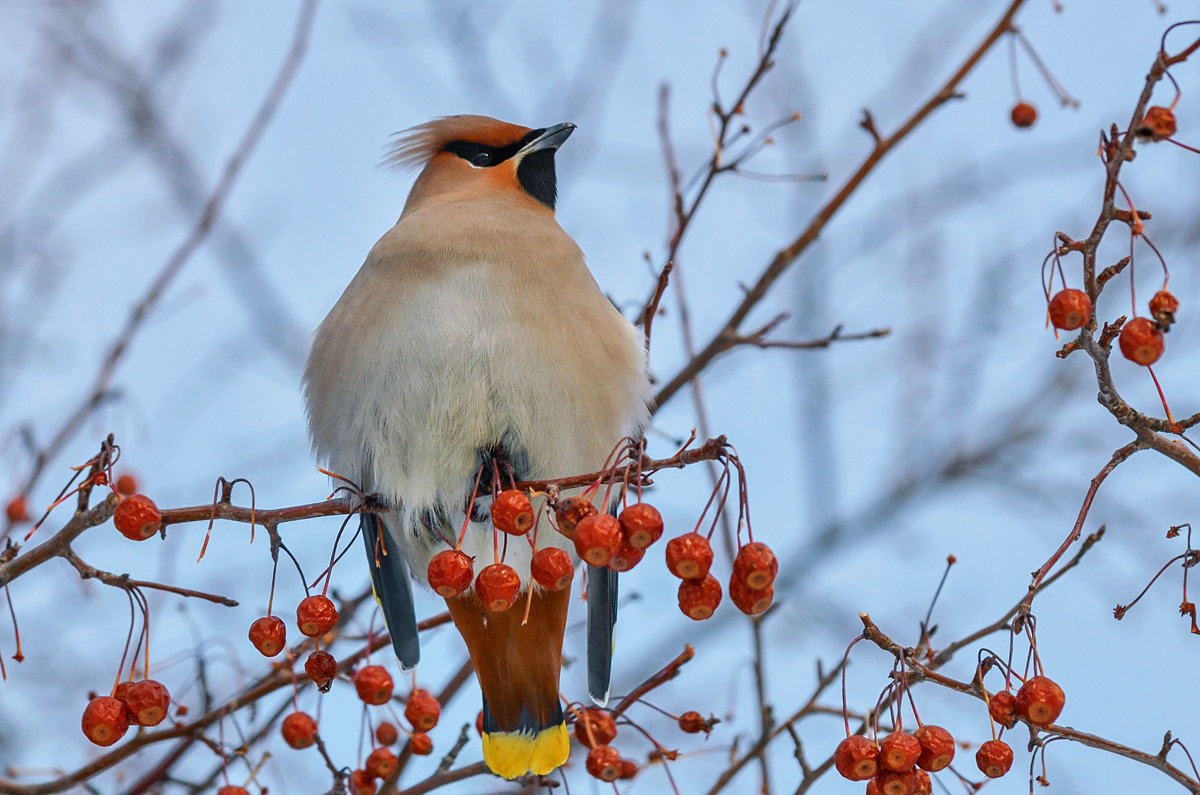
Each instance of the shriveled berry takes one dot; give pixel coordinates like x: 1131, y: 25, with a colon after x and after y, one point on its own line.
x: 924, y: 783
x: 749, y: 601
x: 1163, y: 307
x: 422, y: 710
x: 373, y: 684
x: 872, y: 787
x: 386, y: 733
x: 552, y: 568
x: 450, y: 572
x: 269, y: 635
x: 299, y: 730
x: 892, y: 782
x: 137, y: 517
x: 147, y: 702
x: 1023, y: 114
x: 1002, y: 707
x: 381, y: 763
x: 994, y: 758
x: 571, y: 512
x: 17, y: 509
x: 498, y: 586
x: 689, y: 556
x: 322, y: 668
x: 1157, y: 124
x: 692, y: 723
x: 856, y: 758
x: 1070, y: 309
x: 698, y: 599
x: 641, y: 525
x: 127, y: 484
x: 603, y: 729
x: 1040, y: 700
x: 105, y: 720
x: 512, y: 512
x: 755, y: 566
x: 597, y: 538
x: 899, y: 751
x: 420, y: 744
x: 629, y: 769
x: 1141, y: 341
x: 316, y: 615
x: 626, y: 557
x: 362, y: 783
x: 604, y: 763
x: 937, y: 747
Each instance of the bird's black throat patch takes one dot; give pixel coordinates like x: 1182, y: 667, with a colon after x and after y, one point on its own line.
x: 536, y: 175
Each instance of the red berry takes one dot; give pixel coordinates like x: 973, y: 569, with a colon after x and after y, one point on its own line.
x: 755, y: 566
x: 872, y: 787
x: 450, y: 572
x: 1040, y: 700
x: 381, y: 763
x: 698, y: 599
x: 856, y: 758
x: 571, y: 512
x: 322, y: 668
x: 362, y: 783
x: 899, y: 751
x: 597, y: 538
x: 749, y: 601
x: 601, y: 724
x: 641, y: 524
x: 479, y: 722
x: 1070, y: 309
x: 298, y: 730
x: 422, y: 710
x: 994, y: 758
x: 420, y: 744
x: 552, y: 568
x: 316, y: 615
x: 891, y: 782
x: 1002, y: 707
x: 924, y: 784
x: 937, y: 747
x: 386, y: 733
x: 692, y: 723
x: 626, y: 557
x: 629, y: 769
x: 269, y: 635
x: 1164, y: 306
x: 137, y: 517
x: 127, y: 485
x: 147, y: 702
x: 1157, y: 124
x: 17, y: 510
x: 498, y: 587
x: 689, y: 556
x: 230, y: 789
x: 512, y: 512
x: 604, y: 763
x: 1141, y: 341
x: 1024, y: 114
x: 105, y: 720
x: 373, y: 684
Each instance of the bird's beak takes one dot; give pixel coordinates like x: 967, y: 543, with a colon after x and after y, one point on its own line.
x: 550, y: 138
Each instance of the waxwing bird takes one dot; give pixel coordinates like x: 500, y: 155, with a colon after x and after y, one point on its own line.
x: 475, y: 333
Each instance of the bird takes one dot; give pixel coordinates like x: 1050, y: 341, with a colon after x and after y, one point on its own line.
x: 475, y: 339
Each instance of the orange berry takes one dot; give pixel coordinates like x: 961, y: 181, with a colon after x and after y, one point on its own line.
x: 604, y: 763
x: 1164, y: 306
x: 994, y: 758
x: 629, y: 769
x: 450, y: 572
x: 552, y: 568
x: 1002, y: 707
x: 856, y: 758
x: 422, y: 710
x: 127, y: 485
x: 692, y: 723
x: 755, y: 566
x: 1141, y: 341
x: 899, y: 751
x: 1157, y: 124
x: 316, y: 615
x: 420, y: 744
x: 479, y: 722
x: 689, y: 556
x: 381, y: 763
x: 105, y: 720
x: 362, y: 783
x: 137, y: 517
x: 603, y: 727
x: 626, y: 557
x: 147, y: 702
x: 373, y: 684
x: 937, y: 747
x: 749, y: 601
x: 299, y: 730
x: 597, y: 538
x: 17, y: 509
x: 698, y: 599
x: 231, y: 789
x: 924, y: 784
x: 269, y: 635
x: 641, y: 524
x: 512, y: 512
x: 1070, y: 309
x: 1040, y: 700
x: 892, y: 782
x: 571, y: 512
x: 322, y: 669
x: 1023, y: 114
x: 386, y: 733
x: 498, y: 587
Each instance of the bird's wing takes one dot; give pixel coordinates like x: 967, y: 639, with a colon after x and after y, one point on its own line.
x: 601, y: 620
x: 393, y: 589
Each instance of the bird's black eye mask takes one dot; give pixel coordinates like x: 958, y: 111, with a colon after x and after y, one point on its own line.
x: 535, y: 173
x: 483, y: 156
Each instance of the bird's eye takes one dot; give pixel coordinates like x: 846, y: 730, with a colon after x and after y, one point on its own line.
x: 481, y: 159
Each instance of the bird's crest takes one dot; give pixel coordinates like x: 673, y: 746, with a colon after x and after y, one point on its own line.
x: 414, y: 147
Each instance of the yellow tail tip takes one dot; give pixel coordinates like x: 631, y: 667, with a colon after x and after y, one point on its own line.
x: 513, y: 754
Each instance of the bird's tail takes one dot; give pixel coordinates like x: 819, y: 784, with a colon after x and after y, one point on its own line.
x: 517, y: 665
